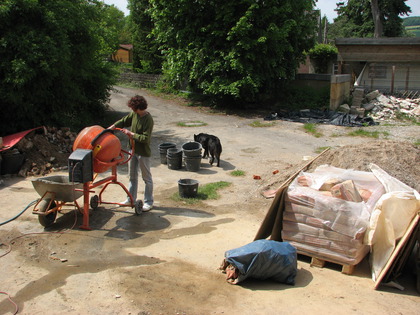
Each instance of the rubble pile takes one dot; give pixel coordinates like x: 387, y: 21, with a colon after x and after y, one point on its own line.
x: 45, y: 151
x: 382, y: 107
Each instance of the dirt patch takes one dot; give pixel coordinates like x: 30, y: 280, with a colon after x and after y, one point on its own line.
x: 399, y: 159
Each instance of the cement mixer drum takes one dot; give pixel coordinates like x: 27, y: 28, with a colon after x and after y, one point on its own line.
x: 105, y: 145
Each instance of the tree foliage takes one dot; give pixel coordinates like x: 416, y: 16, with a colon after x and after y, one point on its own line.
x: 412, y: 21
x: 321, y: 55
x: 146, y: 54
x: 356, y: 18
x: 236, y: 49
x: 111, y: 28
x: 52, y: 71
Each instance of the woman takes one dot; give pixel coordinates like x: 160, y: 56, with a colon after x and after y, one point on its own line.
x: 141, y: 125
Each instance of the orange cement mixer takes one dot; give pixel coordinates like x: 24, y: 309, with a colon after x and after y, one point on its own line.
x: 105, y: 146
x: 96, y: 149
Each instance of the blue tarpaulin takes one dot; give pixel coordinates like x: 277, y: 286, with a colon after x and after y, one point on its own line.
x: 264, y: 259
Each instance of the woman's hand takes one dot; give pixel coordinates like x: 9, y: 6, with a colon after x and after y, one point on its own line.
x: 128, y: 132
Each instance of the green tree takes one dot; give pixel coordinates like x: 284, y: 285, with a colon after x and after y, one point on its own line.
x: 322, y: 55
x: 371, y: 18
x: 342, y: 27
x: 111, y: 28
x: 235, y: 49
x: 125, y: 35
x: 51, y: 68
x: 146, y: 54
x: 411, y: 21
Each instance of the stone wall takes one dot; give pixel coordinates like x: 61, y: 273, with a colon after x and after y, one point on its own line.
x: 312, y: 80
x: 339, y: 84
x: 339, y: 89
x: 140, y: 79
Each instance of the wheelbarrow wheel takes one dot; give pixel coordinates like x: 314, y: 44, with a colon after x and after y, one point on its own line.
x: 44, y: 206
x: 138, y: 207
x: 94, y: 202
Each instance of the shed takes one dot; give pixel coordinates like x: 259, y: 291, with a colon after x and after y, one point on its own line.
x: 389, y: 64
x: 124, y: 54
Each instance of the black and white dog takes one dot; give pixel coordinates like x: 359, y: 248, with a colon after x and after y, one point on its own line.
x: 211, y: 145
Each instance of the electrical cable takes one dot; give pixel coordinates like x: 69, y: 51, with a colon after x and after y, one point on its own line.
x: 23, y: 235
x: 26, y: 208
x: 11, y: 301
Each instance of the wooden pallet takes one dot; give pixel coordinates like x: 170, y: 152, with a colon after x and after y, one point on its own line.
x: 320, y: 263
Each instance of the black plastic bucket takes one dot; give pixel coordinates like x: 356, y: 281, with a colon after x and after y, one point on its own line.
x: 174, y: 158
x: 188, y: 188
x: 174, y: 163
x: 192, y: 163
x: 11, y: 163
x: 171, y: 152
x: 192, y: 149
x: 163, y: 148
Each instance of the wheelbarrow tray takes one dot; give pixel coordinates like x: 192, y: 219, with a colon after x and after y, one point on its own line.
x: 59, y: 186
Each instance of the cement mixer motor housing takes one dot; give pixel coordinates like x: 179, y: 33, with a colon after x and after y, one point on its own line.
x: 80, y: 165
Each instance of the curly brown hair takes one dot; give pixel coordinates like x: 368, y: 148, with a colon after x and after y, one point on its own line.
x: 137, y: 102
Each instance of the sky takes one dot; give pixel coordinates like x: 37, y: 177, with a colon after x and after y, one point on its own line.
x: 326, y: 6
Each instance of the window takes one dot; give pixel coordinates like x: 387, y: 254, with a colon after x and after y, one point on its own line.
x: 377, y: 71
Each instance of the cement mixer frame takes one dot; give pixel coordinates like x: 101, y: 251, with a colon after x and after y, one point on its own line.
x: 55, y: 193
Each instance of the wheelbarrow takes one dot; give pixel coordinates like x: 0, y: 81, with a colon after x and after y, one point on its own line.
x: 55, y: 191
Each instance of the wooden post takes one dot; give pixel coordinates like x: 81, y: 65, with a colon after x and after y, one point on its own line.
x: 371, y: 74
x: 392, y: 80
x: 407, y: 78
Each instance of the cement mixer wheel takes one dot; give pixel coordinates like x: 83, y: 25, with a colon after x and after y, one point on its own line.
x: 94, y: 202
x: 47, y: 220
x: 138, y: 207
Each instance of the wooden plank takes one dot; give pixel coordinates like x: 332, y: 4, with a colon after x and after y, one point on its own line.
x: 271, y: 193
x: 397, y: 267
x: 397, y: 249
x: 315, y: 262
x: 374, y: 57
x: 320, y: 263
x: 347, y: 269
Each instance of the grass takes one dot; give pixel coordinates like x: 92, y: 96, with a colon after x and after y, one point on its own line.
x: 237, y: 173
x: 406, y: 117
x: 368, y: 134
x: 258, y: 124
x: 417, y: 142
x: 195, y: 123
x: 205, y: 192
x: 311, y: 128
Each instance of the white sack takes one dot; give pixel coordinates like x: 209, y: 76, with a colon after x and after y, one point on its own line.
x: 390, y: 219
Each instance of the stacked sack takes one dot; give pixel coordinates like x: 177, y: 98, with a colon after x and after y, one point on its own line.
x: 327, y: 213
